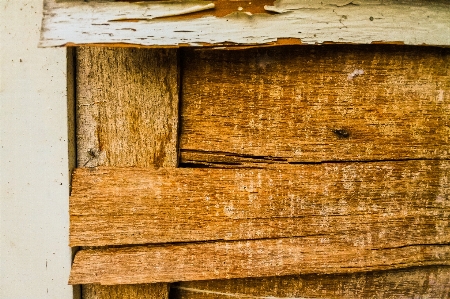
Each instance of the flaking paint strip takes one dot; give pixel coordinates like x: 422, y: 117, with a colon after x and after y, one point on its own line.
x: 186, y: 11
x: 345, y: 3
x: 275, y: 9
x: 189, y: 10
x: 307, y: 16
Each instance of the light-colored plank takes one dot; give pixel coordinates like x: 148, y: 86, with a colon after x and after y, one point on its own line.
x: 127, y: 107
x: 127, y: 115
x: 257, y: 258
x: 368, y: 205
x: 170, y: 24
x: 311, y: 104
x: 423, y: 282
x: 35, y: 156
x: 139, y: 291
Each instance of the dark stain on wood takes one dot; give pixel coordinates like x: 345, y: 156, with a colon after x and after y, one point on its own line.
x: 341, y: 133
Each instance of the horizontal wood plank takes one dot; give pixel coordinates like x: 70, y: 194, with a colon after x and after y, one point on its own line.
x: 257, y: 258
x: 132, y: 291
x: 313, y: 104
x: 196, y: 23
x: 370, y: 205
x: 423, y: 282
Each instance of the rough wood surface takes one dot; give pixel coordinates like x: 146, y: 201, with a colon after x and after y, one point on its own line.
x: 127, y: 115
x: 257, y: 258
x: 139, y: 291
x: 423, y: 282
x: 373, y: 205
x: 422, y: 221
x: 315, y: 103
x: 127, y: 107
x: 173, y: 23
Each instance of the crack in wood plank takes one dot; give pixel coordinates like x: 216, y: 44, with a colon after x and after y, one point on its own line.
x: 238, y: 295
x: 224, y: 260
x: 113, y: 206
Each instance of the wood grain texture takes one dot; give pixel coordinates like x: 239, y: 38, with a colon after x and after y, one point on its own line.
x: 127, y: 107
x: 312, y: 104
x: 423, y: 282
x: 127, y: 115
x: 403, y: 222
x: 172, y: 23
x: 373, y: 205
x: 139, y: 291
x: 257, y: 258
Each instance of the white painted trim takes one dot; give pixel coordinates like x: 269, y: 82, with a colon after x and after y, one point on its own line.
x: 34, y: 165
x: 413, y: 22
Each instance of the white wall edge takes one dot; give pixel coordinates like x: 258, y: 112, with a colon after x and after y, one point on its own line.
x: 35, y: 258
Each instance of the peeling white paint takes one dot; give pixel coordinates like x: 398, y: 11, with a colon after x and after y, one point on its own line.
x: 355, y: 73
x: 173, y: 11
x: 310, y: 22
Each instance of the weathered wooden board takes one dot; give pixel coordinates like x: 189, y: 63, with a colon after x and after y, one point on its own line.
x: 134, y: 291
x: 257, y: 258
x: 315, y: 103
x: 127, y: 115
x: 423, y: 282
x: 127, y: 107
x: 413, y: 232
x: 174, y: 23
x: 373, y: 205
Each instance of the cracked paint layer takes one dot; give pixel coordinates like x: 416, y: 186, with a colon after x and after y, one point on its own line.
x: 219, y: 23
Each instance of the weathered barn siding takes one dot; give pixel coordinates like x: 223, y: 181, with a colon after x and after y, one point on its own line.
x: 376, y: 117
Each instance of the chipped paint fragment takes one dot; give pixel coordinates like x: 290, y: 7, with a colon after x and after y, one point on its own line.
x: 275, y: 9
x: 181, y: 12
x: 355, y: 74
x: 345, y: 3
x: 189, y: 10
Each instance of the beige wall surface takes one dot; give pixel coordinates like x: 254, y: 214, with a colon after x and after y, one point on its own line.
x: 34, y: 184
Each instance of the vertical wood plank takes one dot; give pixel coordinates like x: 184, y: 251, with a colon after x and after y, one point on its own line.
x: 127, y: 115
x: 127, y: 107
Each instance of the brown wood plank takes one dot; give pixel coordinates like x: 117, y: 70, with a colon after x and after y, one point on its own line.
x: 256, y: 258
x: 367, y: 204
x: 133, y: 291
x: 423, y: 282
x: 127, y: 107
x: 322, y: 103
x: 127, y: 115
